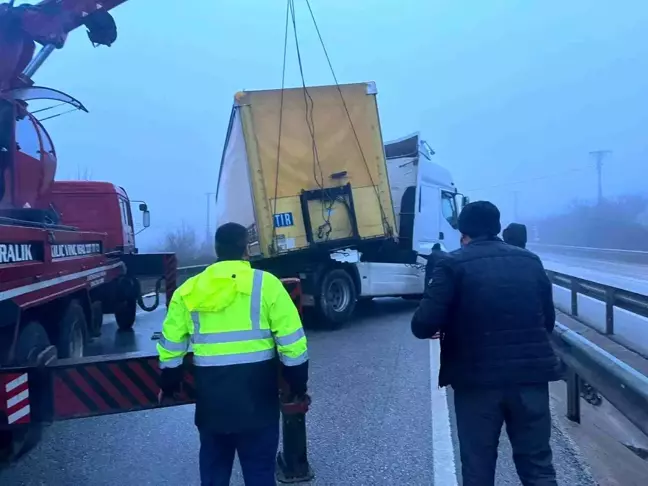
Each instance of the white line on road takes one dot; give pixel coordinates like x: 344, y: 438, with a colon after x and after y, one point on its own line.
x: 445, y: 472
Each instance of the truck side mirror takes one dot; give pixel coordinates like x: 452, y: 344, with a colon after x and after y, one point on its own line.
x: 146, y: 218
x: 464, y: 201
x: 143, y: 207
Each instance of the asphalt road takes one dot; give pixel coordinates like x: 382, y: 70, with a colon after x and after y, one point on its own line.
x: 371, y: 423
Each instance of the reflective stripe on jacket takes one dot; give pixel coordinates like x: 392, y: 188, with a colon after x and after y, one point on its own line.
x: 231, y: 314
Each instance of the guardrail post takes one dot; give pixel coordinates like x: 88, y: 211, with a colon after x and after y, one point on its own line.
x: 609, y: 310
x: 573, y: 396
x: 573, y: 287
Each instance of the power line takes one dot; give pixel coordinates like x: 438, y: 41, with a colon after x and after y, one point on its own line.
x: 515, y: 205
x: 524, y: 181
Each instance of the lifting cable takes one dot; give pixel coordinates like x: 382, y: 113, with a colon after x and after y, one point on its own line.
x: 386, y: 225
x: 281, y: 103
x: 325, y: 229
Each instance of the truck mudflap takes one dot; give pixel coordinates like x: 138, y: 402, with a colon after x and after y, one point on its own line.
x: 57, y: 390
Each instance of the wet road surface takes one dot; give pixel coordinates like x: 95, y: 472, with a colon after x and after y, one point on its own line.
x: 371, y: 421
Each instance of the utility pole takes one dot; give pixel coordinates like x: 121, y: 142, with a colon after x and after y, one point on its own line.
x: 516, y: 215
x: 208, y: 235
x: 598, y: 156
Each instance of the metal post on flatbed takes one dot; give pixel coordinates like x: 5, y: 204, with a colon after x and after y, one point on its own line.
x: 292, y: 460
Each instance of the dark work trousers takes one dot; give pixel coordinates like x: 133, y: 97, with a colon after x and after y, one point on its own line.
x: 525, y: 411
x: 257, y: 453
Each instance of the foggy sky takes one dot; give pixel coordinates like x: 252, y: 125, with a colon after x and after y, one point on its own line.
x: 504, y: 91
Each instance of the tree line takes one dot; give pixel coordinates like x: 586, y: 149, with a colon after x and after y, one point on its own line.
x: 188, y: 247
x: 620, y: 223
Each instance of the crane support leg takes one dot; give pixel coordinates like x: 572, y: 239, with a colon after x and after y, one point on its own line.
x: 292, y: 461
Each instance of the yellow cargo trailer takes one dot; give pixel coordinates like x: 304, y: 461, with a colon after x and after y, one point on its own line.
x: 319, y: 182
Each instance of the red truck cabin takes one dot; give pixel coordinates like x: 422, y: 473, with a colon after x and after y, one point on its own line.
x: 96, y: 206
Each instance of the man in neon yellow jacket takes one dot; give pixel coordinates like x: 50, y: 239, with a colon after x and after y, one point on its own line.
x: 239, y: 321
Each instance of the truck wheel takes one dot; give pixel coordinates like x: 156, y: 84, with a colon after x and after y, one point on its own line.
x: 18, y: 441
x: 96, y: 312
x: 125, y: 314
x: 337, y: 299
x: 72, y: 331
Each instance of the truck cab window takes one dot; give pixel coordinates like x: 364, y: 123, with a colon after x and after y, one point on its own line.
x: 125, y: 215
x: 449, y: 209
x: 48, y: 148
x: 27, y: 139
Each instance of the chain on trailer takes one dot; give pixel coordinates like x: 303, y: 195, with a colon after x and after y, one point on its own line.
x: 59, y: 390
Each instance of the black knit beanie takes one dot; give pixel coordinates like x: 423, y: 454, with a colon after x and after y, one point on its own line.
x: 479, y: 219
x: 515, y: 234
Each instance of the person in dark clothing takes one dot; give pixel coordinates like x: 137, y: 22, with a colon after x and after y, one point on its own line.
x: 515, y: 234
x: 492, y: 303
x: 435, y: 255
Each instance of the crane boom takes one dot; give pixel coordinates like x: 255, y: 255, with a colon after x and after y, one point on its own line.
x: 47, y: 23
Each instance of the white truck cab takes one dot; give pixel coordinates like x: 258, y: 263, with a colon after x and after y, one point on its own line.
x: 426, y: 200
x: 426, y: 205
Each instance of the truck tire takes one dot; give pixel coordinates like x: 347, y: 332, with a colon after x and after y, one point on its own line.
x: 72, y: 331
x: 96, y: 313
x: 18, y: 441
x: 126, y: 314
x: 336, y: 299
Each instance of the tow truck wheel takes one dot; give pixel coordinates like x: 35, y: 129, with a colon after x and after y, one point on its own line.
x: 72, y: 332
x: 337, y: 299
x: 96, y: 312
x: 18, y: 441
x: 125, y: 314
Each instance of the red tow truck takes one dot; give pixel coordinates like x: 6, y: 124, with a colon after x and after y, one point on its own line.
x: 68, y: 257
x: 67, y: 248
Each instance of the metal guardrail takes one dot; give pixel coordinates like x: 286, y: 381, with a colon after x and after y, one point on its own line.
x: 623, y: 386
x: 620, y: 384
x: 189, y: 271
x: 611, y: 296
x: 609, y: 254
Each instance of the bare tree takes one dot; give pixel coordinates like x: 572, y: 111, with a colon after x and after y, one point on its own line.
x: 613, y: 223
x: 184, y: 242
x: 84, y: 175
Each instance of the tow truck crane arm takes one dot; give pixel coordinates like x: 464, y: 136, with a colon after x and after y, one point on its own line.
x: 47, y: 23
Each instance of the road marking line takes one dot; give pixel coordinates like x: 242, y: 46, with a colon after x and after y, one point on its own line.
x: 445, y: 471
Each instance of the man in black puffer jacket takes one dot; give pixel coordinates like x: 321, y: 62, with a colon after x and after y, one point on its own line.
x: 492, y: 303
x: 515, y: 234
